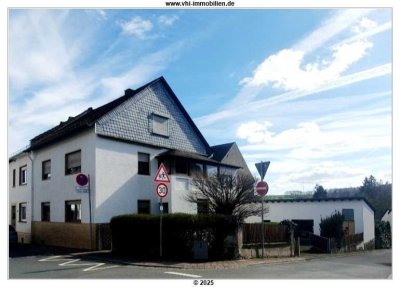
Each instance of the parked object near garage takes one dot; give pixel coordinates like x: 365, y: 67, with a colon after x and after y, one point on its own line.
x: 12, y: 236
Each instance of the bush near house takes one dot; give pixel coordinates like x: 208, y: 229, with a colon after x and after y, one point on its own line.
x: 383, y: 235
x: 332, y: 227
x: 138, y: 235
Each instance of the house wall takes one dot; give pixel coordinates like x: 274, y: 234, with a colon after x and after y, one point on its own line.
x: 118, y: 184
x: 278, y: 211
x: 369, y: 223
x: 388, y: 217
x: 181, y: 187
x: 20, y: 194
x: 61, y: 187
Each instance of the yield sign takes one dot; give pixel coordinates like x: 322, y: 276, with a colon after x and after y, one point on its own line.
x: 262, y: 168
x: 161, y: 175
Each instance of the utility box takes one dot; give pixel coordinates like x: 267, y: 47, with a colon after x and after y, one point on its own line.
x: 200, y: 250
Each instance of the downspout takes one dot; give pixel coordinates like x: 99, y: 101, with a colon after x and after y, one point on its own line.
x: 31, y: 158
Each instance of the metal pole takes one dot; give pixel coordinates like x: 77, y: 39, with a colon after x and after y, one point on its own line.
x: 161, y: 215
x: 90, y: 214
x: 262, y: 225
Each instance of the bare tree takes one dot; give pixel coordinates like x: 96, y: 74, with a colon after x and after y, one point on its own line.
x: 226, y: 194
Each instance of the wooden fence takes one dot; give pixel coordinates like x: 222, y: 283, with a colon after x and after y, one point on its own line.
x: 320, y: 242
x: 348, y: 243
x: 351, y: 241
x: 273, y: 233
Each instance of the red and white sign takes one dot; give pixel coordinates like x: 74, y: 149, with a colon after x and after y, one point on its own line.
x: 262, y: 188
x: 162, y: 190
x: 82, y: 179
x: 161, y: 175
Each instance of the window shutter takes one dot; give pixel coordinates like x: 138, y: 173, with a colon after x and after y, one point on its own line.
x: 74, y: 160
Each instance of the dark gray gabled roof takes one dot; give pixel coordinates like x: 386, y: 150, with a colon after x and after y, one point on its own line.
x: 88, y: 118
x: 219, y: 152
x: 194, y: 156
x: 230, y: 154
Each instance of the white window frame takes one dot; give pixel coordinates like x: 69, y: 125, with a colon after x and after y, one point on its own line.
x: 23, y: 179
x: 22, y: 215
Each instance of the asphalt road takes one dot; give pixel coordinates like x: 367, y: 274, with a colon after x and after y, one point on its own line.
x: 375, y: 265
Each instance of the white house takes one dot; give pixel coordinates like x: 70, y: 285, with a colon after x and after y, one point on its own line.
x: 308, y: 212
x: 119, y: 146
x: 388, y: 217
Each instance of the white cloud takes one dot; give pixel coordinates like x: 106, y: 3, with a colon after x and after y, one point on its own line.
x: 167, y: 20
x: 286, y: 70
x: 38, y: 53
x: 252, y: 106
x: 310, y: 140
x: 290, y: 69
x: 137, y: 27
x: 333, y: 26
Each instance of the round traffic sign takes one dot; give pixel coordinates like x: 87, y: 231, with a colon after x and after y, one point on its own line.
x: 262, y: 188
x: 82, y: 179
x: 162, y: 190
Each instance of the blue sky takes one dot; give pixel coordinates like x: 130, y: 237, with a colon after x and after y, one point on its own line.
x: 308, y: 89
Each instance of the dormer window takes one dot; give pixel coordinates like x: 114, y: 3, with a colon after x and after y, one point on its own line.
x: 160, y: 125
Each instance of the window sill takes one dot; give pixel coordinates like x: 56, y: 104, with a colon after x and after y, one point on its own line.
x: 74, y: 173
x: 20, y: 221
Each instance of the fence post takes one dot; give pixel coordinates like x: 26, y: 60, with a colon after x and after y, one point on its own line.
x: 329, y: 246
x: 292, y: 243
x: 298, y: 246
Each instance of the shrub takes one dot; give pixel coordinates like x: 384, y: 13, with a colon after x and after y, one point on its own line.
x: 383, y: 235
x: 138, y: 235
x: 332, y: 227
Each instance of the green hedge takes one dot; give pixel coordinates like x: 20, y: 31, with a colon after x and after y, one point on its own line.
x: 332, y: 227
x: 138, y: 235
x: 383, y: 235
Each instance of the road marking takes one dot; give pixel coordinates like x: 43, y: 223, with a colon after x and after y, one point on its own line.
x: 72, y: 262
x: 184, y: 274
x: 53, y: 258
x: 97, y: 267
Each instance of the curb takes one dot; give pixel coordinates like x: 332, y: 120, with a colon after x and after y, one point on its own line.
x: 234, y: 264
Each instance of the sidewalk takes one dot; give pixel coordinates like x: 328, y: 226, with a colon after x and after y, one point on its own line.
x: 107, y: 256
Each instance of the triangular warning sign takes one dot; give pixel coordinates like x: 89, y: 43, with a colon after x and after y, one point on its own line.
x: 162, y: 174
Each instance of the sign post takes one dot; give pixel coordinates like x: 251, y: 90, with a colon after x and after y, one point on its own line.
x: 83, y: 182
x: 262, y: 190
x: 161, y: 179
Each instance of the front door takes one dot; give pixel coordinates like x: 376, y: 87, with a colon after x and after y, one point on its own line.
x: 13, y: 215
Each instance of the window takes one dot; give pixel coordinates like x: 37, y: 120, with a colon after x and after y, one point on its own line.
x: 22, y: 175
x: 143, y: 206
x: 181, y: 184
x: 73, y: 162
x: 165, y: 207
x: 211, y: 170
x: 46, y: 170
x: 73, y: 212
x: 143, y: 163
x: 202, y: 206
x: 348, y: 214
x: 22, y: 212
x: 181, y: 166
x: 160, y: 125
x: 227, y: 170
x: 14, y: 177
x: 45, y: 211
x: 196, y: 168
